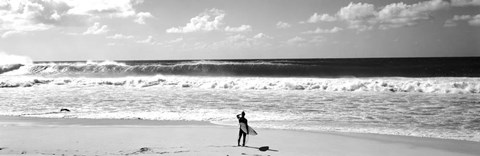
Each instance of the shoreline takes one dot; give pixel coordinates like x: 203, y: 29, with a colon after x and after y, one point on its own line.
x: 95, y: 136
x: 147, y: 122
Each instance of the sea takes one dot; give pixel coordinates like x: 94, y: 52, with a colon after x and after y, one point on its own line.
x: 419, y: 97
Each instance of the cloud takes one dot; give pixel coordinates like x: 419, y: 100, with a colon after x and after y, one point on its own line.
x: 120, y: 36
x: 296, y: 41
x: 317, y: 40
x: 300, y: 42
x: 21, y: 16
x: 461, y: 17
x: 115, y: 8
x: 322, y: 31
x: 452, y: 22
x: 11, y: 33
x: 209, y: 20
x: 364, y: 16
x: 55, y: 16
x: 463, y: 3
x: 148, y: 40
x: 475, y: 21
x: 241, y: 41
x: 283, y: 25
x: 357, y: 15
x: 96, y: 29
x: 472, y: 20
x: 262, y: 36
x: 321, y: 18
x: 171, y: 43
x: 180, y: 39
x: 399, y: 14
x: 141, y: 16
x: 449, y: 23
x: 356, y: 11
x: 242, y: 28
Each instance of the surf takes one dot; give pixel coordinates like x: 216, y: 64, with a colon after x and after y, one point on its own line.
x: 449, y: 85
x: 318, y: 68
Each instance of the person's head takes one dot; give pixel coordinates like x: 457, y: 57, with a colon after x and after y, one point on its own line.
x: 243, y: 114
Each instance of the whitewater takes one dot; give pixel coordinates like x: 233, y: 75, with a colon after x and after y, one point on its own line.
x: 277, y: 94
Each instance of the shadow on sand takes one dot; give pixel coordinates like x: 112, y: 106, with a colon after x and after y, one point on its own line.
x: 263, y: 148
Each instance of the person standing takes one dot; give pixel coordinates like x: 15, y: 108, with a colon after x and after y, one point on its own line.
x: 243, y: 125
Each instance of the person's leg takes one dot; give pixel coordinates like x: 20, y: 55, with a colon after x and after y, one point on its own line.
x: 244, y: 137
x: 239, y: 136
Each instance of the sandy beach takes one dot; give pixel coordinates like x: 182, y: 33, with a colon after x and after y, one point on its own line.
x: 42, y: 136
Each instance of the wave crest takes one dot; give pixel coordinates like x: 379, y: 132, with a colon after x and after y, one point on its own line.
x: 115, y: 69
x: 417, y: 85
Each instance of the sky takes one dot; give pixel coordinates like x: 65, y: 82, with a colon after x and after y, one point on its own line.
x: 64, y: 30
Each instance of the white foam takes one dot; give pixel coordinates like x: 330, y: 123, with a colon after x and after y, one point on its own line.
x: 417, y: 85
x: 7, y: 59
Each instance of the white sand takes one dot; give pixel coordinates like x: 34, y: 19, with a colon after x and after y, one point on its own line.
x: 35, y: 136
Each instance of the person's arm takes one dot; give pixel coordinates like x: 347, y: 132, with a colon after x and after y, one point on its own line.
x: 238, y: 116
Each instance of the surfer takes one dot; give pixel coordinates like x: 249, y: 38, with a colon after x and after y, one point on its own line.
x: 241, y: 119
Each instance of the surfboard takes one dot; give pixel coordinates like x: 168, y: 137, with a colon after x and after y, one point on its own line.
x: 251, y: 131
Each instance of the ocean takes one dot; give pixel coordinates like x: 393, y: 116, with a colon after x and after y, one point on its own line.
x: 421, y: 97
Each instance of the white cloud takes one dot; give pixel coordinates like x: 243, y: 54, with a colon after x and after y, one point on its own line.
x: 462, y: 3
x: 317, y: 40
x: 207, y: 21
x: 111, y: 8
x: 297, y: 41
x: 241, y: 41
x: 283, y: 25
x: 21, y: 16
x: 168, y: 43
x: 400, y: 15
x: 452, y: 22
x: 356, y: 11
x: 322, y: 31
x: 96, y: 29
x: 11, y: 33
x: 449, y: 23
x: 55, y: 16
x: 141, y: 16
x: 120, y: 36
x: 364, y: 16
x: 148, y: 40
x: 472, y: 20
x: 175, y: 40
x: 475, y: 21
x: 242, y: 28
x: 358, y: 15
x: 262, y: 35
x: 321, y: 18
x: 461, y: 17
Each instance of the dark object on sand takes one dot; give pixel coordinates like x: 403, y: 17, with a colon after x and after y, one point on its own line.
x: 64, y: 110
x: 144, y: 149
x: 263, y: 148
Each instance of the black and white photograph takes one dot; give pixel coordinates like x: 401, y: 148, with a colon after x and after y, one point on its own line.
x: 240, y: 77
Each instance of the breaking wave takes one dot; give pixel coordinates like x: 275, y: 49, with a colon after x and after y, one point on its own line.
x: 115, y: 69
x: 12, y: 62
x: 417, y: 85
x: 319, y: 68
